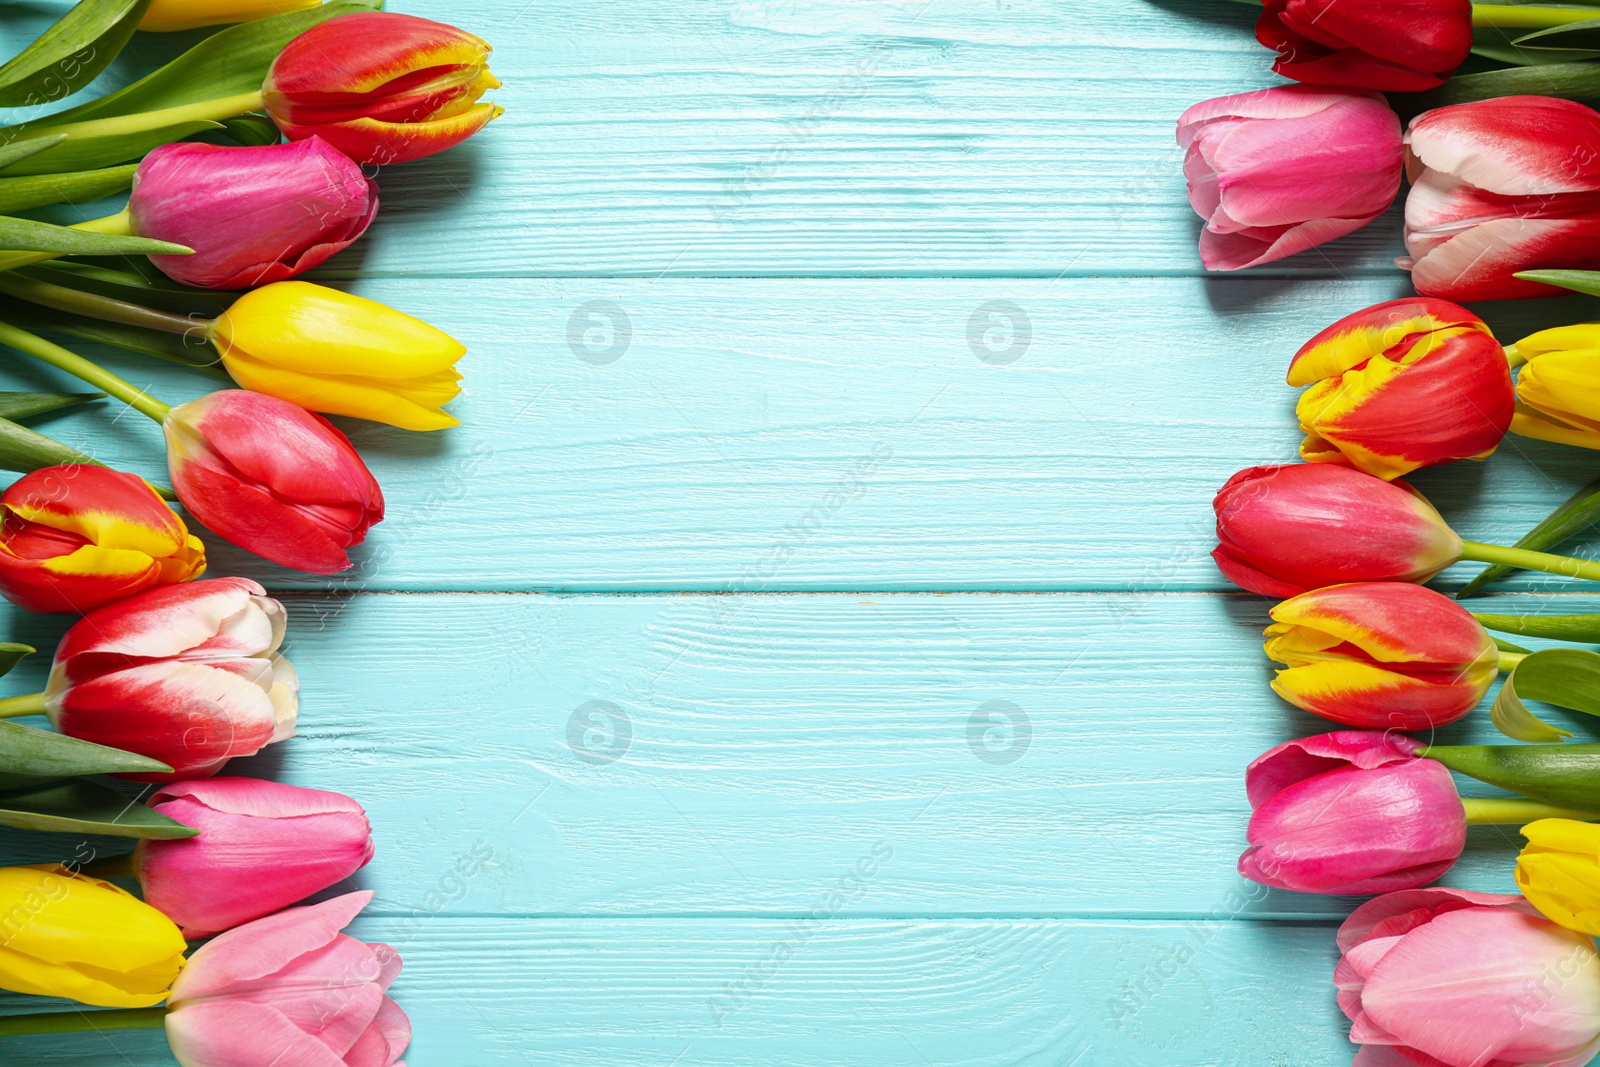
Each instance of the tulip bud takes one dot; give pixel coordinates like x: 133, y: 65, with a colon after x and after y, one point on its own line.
x: 1287, y: 529
x: 165, y: 16
x: 1350, y: 812
x: 252, y: 215
x: 1381, y: 655
x: 1461, y: 979
x: 1559, y: 872
x: 262, y: 846
x: 289, y: 989
x: 79, y: 536
x: 1277, y: 171
x: 69, y: 935
x: 382, y: 87
x: 1501, y: 186
x: 1368, y: 44
x: 328, y: 351
x: 272, y: 478
x: 1401, y: 385
x: 1558, y: 387
x: 187, y: 674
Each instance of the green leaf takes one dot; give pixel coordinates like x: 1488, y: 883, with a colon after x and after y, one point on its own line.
x: 11, y: 654
x: 84, y: 149
x: 80, y: 807
x: 158, y: 343
x: 1575, y: 513
x: 23, y: 450
x: 1567, y: 776
x: 1572, y: 81
x: 230, y: 63
x: 138, y: 282
x: 253, y: 129
x: 1579, y: 281
x: 45, y: 754
x: 21, y: 405
x: 1567, y: 677
x: 74, y: 187
x: 26, y: 235
x: 17, y: 151
x: 1581, y: 628
x: 69, y: 55
x: 1497, y: 43
x: 1579, y: 35
x: 1507, y: 646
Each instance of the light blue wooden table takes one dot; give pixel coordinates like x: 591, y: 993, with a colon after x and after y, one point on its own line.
x: 843, y: 388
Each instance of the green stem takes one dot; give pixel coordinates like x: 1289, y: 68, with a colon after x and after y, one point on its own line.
x: 1508, y: 660
x: 226, y: 107
x: 1528, y: 16
x: 1526, y: 559
x: 15, y: 707
x: 1514, y: 358
x: 80, y: 1021
x: 1583, y: 628
x: 1516, y: 811
x: 76, y: 365
x: 97, y: 306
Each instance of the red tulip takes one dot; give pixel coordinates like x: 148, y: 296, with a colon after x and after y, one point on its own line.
x: 1350, y: 812
x: 1284, y: 530
x: 252, y: 215
x: 187, y: 674
x: 1381, y: 655
x: 1393, y: 45
x: 272, y: 478
x: 1402, y: 385
x: 1277, y: 171
x: 1500, y: 186
x: 382, y: 87
x: 79, y: 536
x: 262, y: 846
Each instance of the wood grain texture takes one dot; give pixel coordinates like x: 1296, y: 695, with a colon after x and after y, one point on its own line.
x: 915, y: 993
x: 763, y: 435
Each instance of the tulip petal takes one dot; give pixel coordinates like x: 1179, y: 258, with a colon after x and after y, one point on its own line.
x: 1397, y: 913
x: 1251, y: 248
x: 1293, y: 761
x: 242, y: 1034
x: 1415, y: 326
x: 266, y: 946
x: 1478, y: 263
x: 1372, y: 698
x: 160, y: 623
x: 1392, y: 623
x: 369, y: 141
x: 1511, y: 145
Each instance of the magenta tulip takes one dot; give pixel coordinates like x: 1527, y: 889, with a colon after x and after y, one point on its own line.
x: 262, y: 846
x: 272, y: 478
x: 1501, y: 186
x: 252, y: 215
x: 1277, y: 171
x: 1350, y: 812
x: 186, y: 674
x: 1450, y: 978
x: 289, y: 989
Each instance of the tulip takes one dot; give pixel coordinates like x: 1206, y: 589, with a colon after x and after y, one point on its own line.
x: 1402, y: 385
x: 164, y: 16
x: 1501, y: 186
x: 1558, y: 387
x: 186, y: 674
x: 289, y: 989
x: 1381, y: 655
x: 1394, y: 46
x: 272, y: 478
x: 253, y: 215
x: 340, y: 354
x: 262, y: 847
x: 1350, y: 812
x: 63, y: 934
x: 79, y: 536
x: 382, y: 87
x: 1452, y: 978
x: 1277, y: 171
x: 1559, y: 872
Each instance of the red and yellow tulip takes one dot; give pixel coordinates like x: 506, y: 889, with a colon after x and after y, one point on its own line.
x: 1381, y: 655
x: 382, y: 87
x: 79, y: 536
x: 1401, y: 385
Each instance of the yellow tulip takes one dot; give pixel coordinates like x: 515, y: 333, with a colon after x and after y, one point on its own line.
x: 165, y: 15
x: 1559, y: 872
x: 1558, y: 388
x: 340, y: 354
x: 67, y: 935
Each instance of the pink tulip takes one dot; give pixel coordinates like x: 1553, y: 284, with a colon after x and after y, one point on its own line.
x: 1350, y: 812
x: 1500, y: 186
x: 252, y: 215
x: 262, y: 847
x: 272, y: 478
x: 289, y: 989
x: 186, y: 674
x: 1450, y: 978
x: 1278, y: 171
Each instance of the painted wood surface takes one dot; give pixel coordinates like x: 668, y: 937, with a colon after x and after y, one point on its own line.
x: 872, y: 304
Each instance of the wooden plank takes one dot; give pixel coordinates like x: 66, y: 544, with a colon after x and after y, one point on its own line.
x: 763, y: 435
x: 907, y: 993
x: 1066, y: 755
